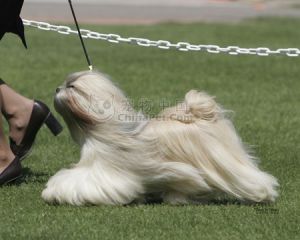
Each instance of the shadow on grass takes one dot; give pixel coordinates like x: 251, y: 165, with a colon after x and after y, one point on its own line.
x: 29, y: 176
x: 152, y: 200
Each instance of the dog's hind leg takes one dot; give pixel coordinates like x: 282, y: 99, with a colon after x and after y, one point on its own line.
x: 175, y: 198
x: 179, y: 182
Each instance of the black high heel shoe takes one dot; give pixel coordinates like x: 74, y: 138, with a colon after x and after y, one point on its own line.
x: 40, y: 115
x: 12, y: 172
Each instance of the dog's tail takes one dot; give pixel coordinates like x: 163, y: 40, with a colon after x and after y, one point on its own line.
x: 196, y: 106
x: 202, y: 106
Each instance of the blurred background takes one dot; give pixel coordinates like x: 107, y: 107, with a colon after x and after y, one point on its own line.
x: 155, y: 11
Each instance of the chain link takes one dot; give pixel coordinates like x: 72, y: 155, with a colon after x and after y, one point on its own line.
x: 163, y: 44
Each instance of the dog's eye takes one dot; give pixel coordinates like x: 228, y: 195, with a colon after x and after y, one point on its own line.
x: 70, y: 86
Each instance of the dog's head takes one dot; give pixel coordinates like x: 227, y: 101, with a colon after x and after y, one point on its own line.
x: 89, y: 99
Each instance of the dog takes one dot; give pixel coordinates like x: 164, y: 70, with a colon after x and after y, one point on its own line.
x: 189, y: 153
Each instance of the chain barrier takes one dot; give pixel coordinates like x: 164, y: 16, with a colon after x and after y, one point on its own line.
x: 163, y: 44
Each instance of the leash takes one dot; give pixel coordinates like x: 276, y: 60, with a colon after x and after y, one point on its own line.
x: 80, y: 36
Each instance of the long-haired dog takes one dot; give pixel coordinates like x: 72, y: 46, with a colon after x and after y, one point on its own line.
x: 188, y: 153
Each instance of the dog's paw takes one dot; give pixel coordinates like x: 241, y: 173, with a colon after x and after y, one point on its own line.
x: 48, y: 195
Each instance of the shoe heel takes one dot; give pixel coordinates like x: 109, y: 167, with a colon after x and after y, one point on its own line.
x: 53, y: 125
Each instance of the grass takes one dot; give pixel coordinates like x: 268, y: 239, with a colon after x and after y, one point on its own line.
x: 262, y: 91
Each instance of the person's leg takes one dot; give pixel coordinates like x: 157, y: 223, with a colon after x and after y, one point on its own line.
x: 6, y: 155
x: 25, y: 118
x: 17, y: 111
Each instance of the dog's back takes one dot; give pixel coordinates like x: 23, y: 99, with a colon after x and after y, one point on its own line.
x: 196, y: 139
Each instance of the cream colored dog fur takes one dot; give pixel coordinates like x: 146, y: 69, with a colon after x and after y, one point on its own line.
x: 188, y: 153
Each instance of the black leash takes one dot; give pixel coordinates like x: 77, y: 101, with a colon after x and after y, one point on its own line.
x: 79, y: 34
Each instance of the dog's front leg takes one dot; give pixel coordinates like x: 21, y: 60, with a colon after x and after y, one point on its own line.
x: 92, y: 185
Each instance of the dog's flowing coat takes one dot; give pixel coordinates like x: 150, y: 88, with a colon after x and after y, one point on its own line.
x: 190, y: 152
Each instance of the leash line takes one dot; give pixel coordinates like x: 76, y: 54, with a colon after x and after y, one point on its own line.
x: 80, y: 36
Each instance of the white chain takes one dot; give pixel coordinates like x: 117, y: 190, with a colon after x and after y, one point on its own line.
x: 163, y: 44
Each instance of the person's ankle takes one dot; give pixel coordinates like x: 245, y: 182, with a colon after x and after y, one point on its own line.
x: 6, y: 157
x: 16, y: 110
x: 18, y: 120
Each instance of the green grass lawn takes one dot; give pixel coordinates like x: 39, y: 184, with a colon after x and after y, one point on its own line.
x: 264, y: 93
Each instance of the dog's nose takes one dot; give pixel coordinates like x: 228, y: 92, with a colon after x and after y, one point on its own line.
x: 57, y: 90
